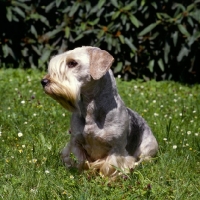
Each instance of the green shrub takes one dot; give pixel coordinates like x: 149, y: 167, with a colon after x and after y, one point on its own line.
x: 149, y: 39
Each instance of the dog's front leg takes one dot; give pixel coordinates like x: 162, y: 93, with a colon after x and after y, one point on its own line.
x: 73, y: 155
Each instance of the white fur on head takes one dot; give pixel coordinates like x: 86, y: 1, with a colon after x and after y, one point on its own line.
x: 65, y: 82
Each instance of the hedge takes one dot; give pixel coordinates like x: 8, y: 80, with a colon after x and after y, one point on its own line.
x: 149, y: 39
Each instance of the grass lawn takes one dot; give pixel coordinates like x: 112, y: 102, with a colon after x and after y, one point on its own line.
x: 34, y: 128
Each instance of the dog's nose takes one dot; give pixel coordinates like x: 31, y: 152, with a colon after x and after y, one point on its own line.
x: 44, y: 82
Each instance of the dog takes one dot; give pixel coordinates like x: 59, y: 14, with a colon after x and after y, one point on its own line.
x: 105, y: 135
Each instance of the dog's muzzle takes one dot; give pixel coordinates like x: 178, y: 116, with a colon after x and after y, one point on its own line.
x: 44, y: 82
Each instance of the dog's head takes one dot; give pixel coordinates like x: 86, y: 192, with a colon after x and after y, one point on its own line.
x: 69, y: 72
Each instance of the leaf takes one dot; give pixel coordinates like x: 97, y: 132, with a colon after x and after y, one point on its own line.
x: 88, y: 6
x: 175, y: 37
x: 190, y: 7
x: 160, y: 64
x: 130, y: 44
x: 94, y: 9
x: 190, y: 21
x: 154, y: 36
x: 58, y: 2
x: 183, y: 30
x: 19, y: 11
x: 148, y: 29
x: 115, y: 15
x: 154, y: 5
x: 134, y: 20
x: 79, y: 37
x: 74, y: 9
x: 166, y: 51
x: 33, y: 31
x: 5, y: 50
x: 163, y: 15
x: 36, y: 50
x: 180, y: 6
x: 118, y: 68
x: 101, y: 3
x: 183, y: 52
x: 151, y: 65
x: 67, y: 32
x: 22, y: 5
x: 44, y: 20
x: 83, y: 26
x: 49, y: 7
x: 129, y: 6
x: 121, y: 37
x: 52, y: 34
x: 124, y: 18
x: 45, y: 56
x: 115, y: 3
x: 9, y: 14
x: 92, y: 23
x: 99, y: 13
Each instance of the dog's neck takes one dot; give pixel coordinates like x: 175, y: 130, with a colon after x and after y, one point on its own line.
x: 94, y: 96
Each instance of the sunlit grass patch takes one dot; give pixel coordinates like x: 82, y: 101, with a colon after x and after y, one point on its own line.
x: 34, y: 128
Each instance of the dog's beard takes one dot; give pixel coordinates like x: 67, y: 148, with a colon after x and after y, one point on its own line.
x: 66, y: 93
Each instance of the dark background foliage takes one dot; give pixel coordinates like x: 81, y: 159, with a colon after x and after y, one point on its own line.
x: 149, y: 39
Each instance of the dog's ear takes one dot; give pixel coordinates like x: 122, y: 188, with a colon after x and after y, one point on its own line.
x: 100, y: 62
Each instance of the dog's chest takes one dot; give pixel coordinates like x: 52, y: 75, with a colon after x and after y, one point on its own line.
x: 95, y: 144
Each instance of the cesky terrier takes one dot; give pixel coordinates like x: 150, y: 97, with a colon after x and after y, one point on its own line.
x: 105, y: 135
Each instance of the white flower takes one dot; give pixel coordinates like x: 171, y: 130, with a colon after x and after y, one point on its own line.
x: 20, y: 134
x: 196, y: 134
x: 34, y: 114
x: 23, y: 146
x: 23, y: 102
x: 180, y: 114
x: 156, y: 114
x: 165, y: 139
x: 63, y: 114
x: 71, y: 177
x: 154, y: 101
x: 47, y: 171
x: 33, y: 160
x: 188, y: 132
x: 174, y: 146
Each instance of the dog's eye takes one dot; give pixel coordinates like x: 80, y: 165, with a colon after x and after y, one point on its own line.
x: 72, y: 63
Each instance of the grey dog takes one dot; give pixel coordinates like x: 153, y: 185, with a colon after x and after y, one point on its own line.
x: 105, y: 135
